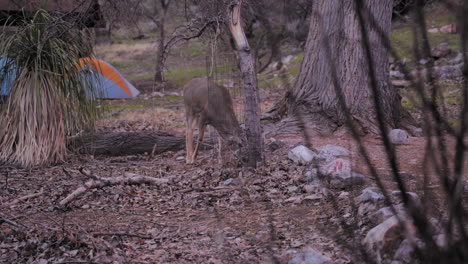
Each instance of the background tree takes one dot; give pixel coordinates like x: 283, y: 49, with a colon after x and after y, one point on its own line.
x: 334, y: 56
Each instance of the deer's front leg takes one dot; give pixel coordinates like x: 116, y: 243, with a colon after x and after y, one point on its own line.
x: 201, y: 133
x: 189, y: 140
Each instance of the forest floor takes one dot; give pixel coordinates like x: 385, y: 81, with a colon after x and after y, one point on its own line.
x: 206, y: 213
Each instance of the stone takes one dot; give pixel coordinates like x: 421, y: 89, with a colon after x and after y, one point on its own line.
x: 401, y: 83
x: 406, y: 252
x: 396, y: 74
x: 449, y: 29
x: 309, y: 256
x: 301, y: 155
x: 370, y: 200
x: 424, y: 61
x: 412, y: 196
x: 386, y: 212
x: 273, y: 144
x: 383, y: 236
x: 398, y: 136
x: 329, y: 152
x: 312, y: 176
x: 371, y: 194
x: 458, y: 59
x: 312, y: 188
x: 441, y: 50
x: 346, y: 180
x: 336, y: 167
x: 449, y: 72
x: 287, y: 59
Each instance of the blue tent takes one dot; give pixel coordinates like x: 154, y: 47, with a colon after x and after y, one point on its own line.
x: 8, y: 74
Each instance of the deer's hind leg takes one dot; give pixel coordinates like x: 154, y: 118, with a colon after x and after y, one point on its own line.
x: 191, y: 122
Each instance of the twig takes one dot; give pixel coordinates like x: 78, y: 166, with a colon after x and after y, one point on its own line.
x: 100, y: 182
x: 122, y: 234
x: 4, y: 220
x: 22, y: 199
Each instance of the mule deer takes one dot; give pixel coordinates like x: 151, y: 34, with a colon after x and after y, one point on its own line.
x: 207, y: 103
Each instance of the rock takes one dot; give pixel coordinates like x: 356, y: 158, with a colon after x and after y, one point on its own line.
x: 405, y: 253
x: 441, y: 50
x: 424, y: 61
x: 309, y: 256
x: 398, y: 136
x: 346, y: 180
x: 370, y: 200
x: 287, y: 59
x: 401, y: 83
x: 441, y: 241
x: 448, y: 72
x: 343, y: 195
x: 412, y: 196
x: 458, y: 59
x: 273, y: 144
x: 385, y: 213
x: 180, y: 158
x: 329, y: 152
x: 433, y: 30
x: 396, y: 74
x: 312, y: 188
x: 312, y: 176
x: 450, y: 29
x: 301, y: 155
x: 383, y: 236
x: 371, y: 194
x: 336, y: 167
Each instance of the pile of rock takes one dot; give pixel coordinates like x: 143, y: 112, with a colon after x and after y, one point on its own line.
x: 328, y: 165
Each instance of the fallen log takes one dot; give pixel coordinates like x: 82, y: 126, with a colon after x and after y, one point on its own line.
x: 100, y: 182
x: 129, y: 143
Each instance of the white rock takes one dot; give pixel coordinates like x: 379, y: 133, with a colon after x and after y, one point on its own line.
x: 329, y: 152
x: 398, y: 136
x: 380, y: 236
x: 287, y: 59
x: 309, y: 256
x: 301, y: 155
x: 336, y: 167
x: 371, y: 194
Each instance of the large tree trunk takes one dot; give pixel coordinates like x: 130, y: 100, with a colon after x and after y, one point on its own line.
x: 334, y: 47
x: 253, y: 130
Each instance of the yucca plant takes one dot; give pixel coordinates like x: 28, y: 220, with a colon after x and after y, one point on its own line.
x: 48, y: 98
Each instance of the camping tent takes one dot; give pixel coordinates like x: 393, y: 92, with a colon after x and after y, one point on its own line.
x: 113, y: 84
x: 7, y: 75
x: 110, y: 81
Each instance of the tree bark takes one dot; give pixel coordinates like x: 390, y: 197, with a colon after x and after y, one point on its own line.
x: 334, y: 48
x: 253, y: 131
x: 158, y: 76
x: 128, y: 143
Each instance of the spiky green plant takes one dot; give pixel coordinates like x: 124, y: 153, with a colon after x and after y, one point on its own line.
x: 48, y: 100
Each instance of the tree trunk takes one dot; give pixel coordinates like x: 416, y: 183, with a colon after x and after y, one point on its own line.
x: 158, y: 76
x: 334, y: 47
x: 128, y: 143
x: 253, y: 131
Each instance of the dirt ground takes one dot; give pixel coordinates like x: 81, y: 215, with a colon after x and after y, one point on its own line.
x: 207, y: 213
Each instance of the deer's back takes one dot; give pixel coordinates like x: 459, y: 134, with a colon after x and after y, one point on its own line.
x: 212, y: 101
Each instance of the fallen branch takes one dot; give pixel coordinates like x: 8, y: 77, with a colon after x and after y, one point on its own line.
x: 21, y: 199
x: 100, y: 182
x: 122, y: 234
x: 4, y: 220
